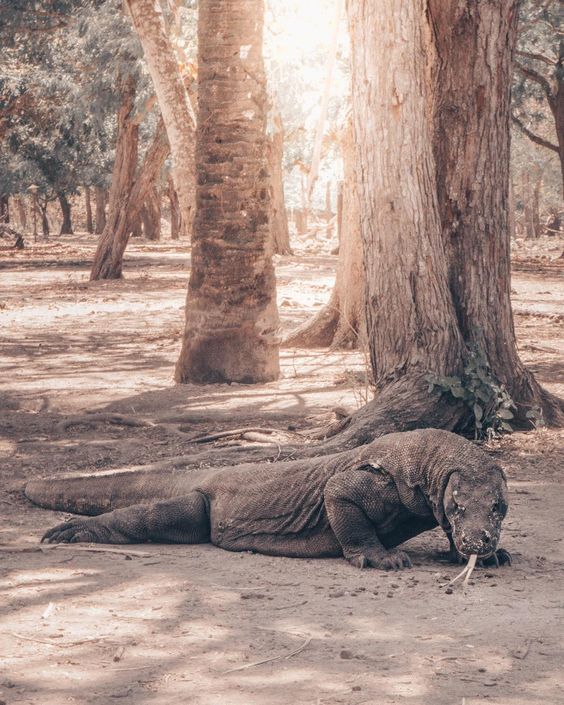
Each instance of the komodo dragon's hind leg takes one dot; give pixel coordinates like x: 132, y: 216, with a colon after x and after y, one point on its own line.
x: 180, y: 520
x: 356, y: 502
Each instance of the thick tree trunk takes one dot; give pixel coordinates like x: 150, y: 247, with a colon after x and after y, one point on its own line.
x: 175, y: 214
x: 135, y: 194
x: 151, y: 215
x: 100, y: 198
x: 108, y: 259
x: 280, y: 232
x: 231, y: 314
x: 342, y: 322
x: 88, y: 206
x: 432, y: 141
x: 66, y: 225
x: 471, y: 140
x: 172, y: 97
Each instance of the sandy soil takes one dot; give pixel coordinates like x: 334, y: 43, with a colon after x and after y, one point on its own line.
x: 197, y: 625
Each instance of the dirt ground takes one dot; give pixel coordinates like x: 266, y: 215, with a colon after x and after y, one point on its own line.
x: 197, y: 625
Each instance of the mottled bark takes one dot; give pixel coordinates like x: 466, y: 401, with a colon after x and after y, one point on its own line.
x: 280, y: 232
x: 66, y: 225
x: 471, y: 148
x: 88, y: 206
x: 100, y: 198
x: 108, y: 259
x: 151, y: 215
x: 135, y: 193
x: 173, y: 99
x: 231, y: 315
x: 175, y: 214
x: 4, y: 209
x: 341, y: 323
x: 22, y: 212
x: 432, y: 140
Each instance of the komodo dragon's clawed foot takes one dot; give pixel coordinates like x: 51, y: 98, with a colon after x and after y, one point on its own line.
x: 497, y: 559
x: 75, y: 531
x: 391, y: 560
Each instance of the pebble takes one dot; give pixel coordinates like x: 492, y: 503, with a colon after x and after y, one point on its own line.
x: 346, y: 654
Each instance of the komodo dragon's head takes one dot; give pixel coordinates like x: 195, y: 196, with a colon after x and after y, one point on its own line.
x: 475, y: 504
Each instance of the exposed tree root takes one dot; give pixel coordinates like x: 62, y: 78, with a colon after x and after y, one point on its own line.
x: 241, y: 432
x: 98, y: 418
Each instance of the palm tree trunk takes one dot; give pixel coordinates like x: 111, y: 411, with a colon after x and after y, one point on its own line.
x: 231, y: 314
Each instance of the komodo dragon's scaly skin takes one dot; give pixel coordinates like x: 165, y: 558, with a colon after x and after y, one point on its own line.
x: 360, y: 504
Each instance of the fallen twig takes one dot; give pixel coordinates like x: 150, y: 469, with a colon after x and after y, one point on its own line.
x: 272, y: 658
x: 55, y: 643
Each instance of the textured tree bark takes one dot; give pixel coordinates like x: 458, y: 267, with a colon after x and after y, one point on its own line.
x: 231, y: 314
x: 66, y: 225
x: 172, y: 97
x: 100, y: 199
x: 175, y: 215
x: 278, y: 217
x: 88, y: 205
x: 135, y: 193
x: 434, y: 199
x: 22, y: 212
x: 471, y: 147
x: 4, y: 209
x: 151, y: 215
x: 108, y: 259
x: 342, y: 322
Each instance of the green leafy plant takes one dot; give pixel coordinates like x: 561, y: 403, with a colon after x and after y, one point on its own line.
x: 488, y: 400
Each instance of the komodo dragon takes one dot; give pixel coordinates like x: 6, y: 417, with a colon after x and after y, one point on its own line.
x: 360, y: 504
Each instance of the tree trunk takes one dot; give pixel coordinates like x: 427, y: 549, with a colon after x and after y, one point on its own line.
x: 108, y: 259
x: 66, y: 225
x: 100, y: 198
x: 175, y: 215
x: 328, y: 211
x: 172, y: 97
x: 472, y: 138
x: 4, y: 209
x: 88, y: 205
x: 151, y: 215
x: 231, y: 314
x: 278, y: 217
x: 22, y: 213
x: 434, y: 200
x: 42, y: 205
x: 341, y: 323
x: 134, y: 195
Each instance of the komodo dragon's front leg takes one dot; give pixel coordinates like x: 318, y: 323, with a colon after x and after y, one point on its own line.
x: 357, y: 502
x: 180, y: 520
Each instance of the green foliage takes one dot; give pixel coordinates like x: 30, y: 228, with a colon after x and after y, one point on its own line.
x: 489, y: 401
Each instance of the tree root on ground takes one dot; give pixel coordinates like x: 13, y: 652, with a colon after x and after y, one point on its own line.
x: 97, y: 418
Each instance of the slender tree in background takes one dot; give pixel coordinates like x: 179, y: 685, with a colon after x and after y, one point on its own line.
x: 341, y: 323
x: 173, y: 99
x: 280, y: 232
x: 231, y: 314
x: 111, y: 245
x: 130, y: 189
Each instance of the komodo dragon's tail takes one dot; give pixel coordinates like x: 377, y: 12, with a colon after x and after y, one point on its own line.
x: 97, y: 494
